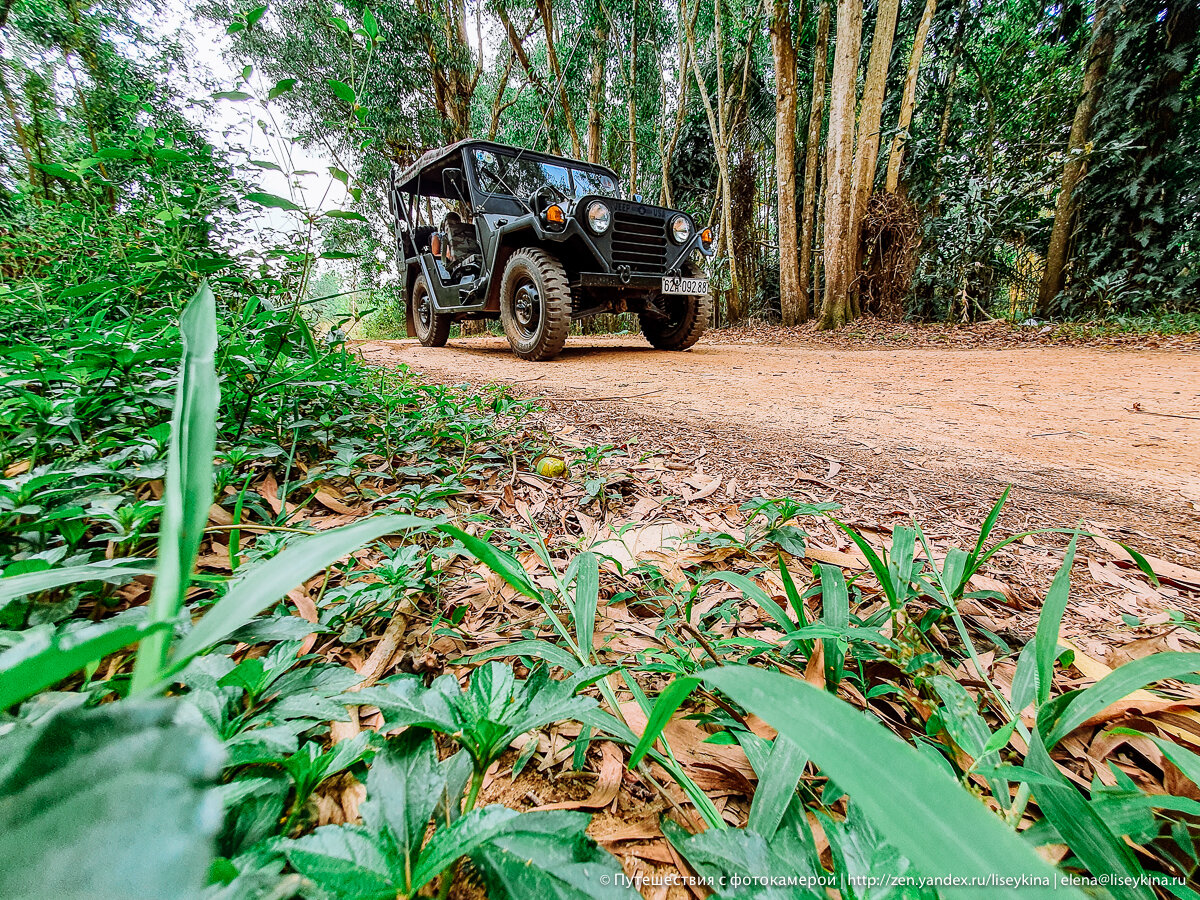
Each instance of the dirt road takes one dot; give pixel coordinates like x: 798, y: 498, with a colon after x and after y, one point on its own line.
x: 1085, y: 418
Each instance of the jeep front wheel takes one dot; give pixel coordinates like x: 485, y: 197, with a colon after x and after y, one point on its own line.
x: 535, y: 304
x: 431, y: 326
x: 681, y: 321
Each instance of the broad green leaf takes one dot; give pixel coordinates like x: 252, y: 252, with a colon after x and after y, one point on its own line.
x: 188, y: 488
x: 1184, y: 760
x: 538, y: 649
x: 587, y: 599
x: 889, y: 780
x: 281, y: 87
x: 547, y: 855
x: 1119, y: 684
x: 342, y: 90
x: 263, y: 585
x: 460, y: 839
x: 370, y: 25
x: 1046, y: 639
x: 724, y: 854
x: 235, y: 96
x: 965, y: 725
x: 130, y: 778
x: 404, y: 785
x: 340, y: 24
x: 901, y: 559
x: 274, y: 201
x: 407, y: 702
x: 1081, y: 827
x: 349, y: 215
x: 664, y: 707
x: 346, y: 861
x: 835, y: 613
x: 1025, y: 681
x: 776, y: 786
x: 254, y: 15
x: 87, y: 290
x: 503, y: 564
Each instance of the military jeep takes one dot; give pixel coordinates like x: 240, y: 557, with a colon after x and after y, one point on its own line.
x: 488, y: 231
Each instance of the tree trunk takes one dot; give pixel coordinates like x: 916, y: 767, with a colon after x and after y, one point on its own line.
x: 18, y: 127
x: 498, y: 104
x: 816, y: 115
x: 681, y: 105
x: 596, y: 85
x: 516, y: 41
x: 866, y: 150
x: 909, y: 101
x: 793, y: 302
x: 547, y: 11
x: 1099, y: 55
x: 839, y: 249
x: 631, y: 86
x: 716, y: 126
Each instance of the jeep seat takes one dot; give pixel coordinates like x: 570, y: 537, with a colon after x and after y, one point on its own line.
x: 460, y: 249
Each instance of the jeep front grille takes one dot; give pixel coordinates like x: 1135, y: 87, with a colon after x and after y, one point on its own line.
x: 639, y: 242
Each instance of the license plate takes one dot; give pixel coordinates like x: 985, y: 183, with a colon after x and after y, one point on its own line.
x: 673, y: 285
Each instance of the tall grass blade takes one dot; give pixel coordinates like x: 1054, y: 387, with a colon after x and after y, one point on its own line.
x: 889, y: 780
x: 587, y: 599
x: 264, y: 585
x: 776, y: 786
x: 16, y: 586
x: 60, y: 656
x: 753, y: 592
x: 835, y: 612
x: 878, y: 567
x: 1049, y: 622
x: 503, y: 564
x: 1119, y: 684
x: 1081, y: 827
x: 794, y: 599
x: 188, y: 488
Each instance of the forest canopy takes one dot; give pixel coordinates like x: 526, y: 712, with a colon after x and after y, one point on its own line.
x: 953, y: 160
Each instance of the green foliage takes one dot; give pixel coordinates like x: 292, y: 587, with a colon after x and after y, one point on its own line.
x: 1140, y: 225
x: 138, y: 779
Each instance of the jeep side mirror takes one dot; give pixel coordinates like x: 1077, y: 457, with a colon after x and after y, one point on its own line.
x: 454, y: 185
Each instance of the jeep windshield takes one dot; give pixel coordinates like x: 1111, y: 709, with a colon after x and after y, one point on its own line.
x: 518, y: 176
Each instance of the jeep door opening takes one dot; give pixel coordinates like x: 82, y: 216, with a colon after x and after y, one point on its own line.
x: 488, y: 231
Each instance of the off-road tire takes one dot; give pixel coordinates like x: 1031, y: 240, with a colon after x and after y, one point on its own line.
x: 434, y: 329
x: 536, y: 323
x: 682, y: 332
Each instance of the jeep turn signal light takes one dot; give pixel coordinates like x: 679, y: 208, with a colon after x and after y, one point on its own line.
x: 555, y: 215
x: 706, y: 238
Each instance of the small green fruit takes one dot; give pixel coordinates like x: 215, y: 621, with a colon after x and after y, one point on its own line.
x: 551, y: 467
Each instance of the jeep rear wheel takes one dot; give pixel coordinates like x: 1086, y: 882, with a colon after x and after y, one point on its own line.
x: 535, y: 304
x: 683, y: 320
x: 431, y: 326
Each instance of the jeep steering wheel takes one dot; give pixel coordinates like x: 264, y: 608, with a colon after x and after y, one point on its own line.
x: 544, y: 196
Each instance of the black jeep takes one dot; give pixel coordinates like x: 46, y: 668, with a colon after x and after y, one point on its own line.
x: 486, y: 231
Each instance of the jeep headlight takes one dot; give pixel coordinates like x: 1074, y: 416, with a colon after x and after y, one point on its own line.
x: 681, y: 229
x: 599, y: 216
